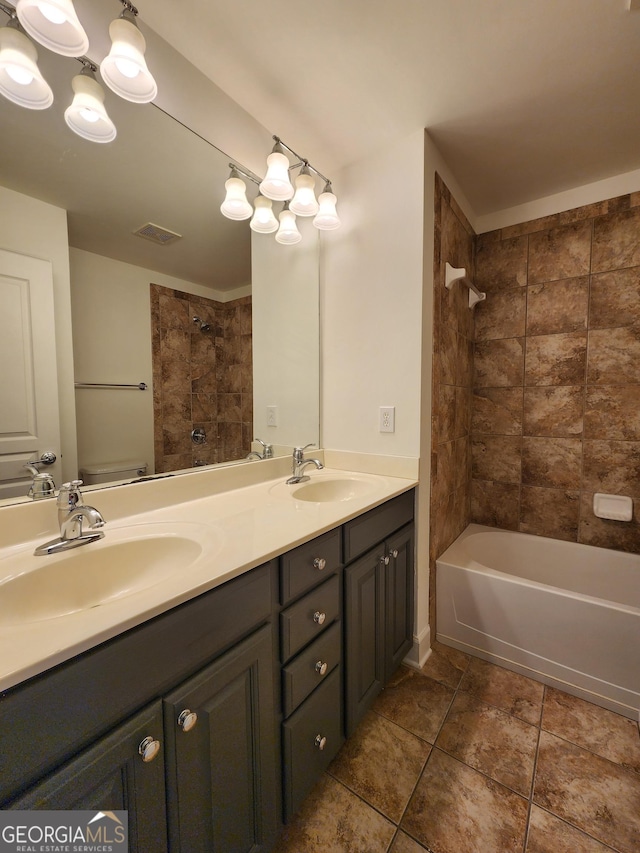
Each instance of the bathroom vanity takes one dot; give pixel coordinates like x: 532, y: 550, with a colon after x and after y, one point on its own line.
x: 211, y: 722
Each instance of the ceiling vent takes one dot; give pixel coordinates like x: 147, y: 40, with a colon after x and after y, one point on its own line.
x: 157, y: 234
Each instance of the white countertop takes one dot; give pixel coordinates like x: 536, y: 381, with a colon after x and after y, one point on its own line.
x: 245, y: 527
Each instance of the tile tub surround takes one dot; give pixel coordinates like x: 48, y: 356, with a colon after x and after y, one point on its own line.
x: 200, y: 379
x: 467, y: 757
x: 452, y: 383
x: 556, y: 401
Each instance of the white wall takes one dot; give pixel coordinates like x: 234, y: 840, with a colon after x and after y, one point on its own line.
x: 31, y: 227
x: 111, y: 312
x: 286, y: 345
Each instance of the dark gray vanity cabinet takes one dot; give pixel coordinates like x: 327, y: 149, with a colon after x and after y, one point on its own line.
x: 311, y: 656
x: 111, y: 775
x: 379, y: 587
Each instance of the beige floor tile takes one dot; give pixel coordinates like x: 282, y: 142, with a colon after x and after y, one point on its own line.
x: 334, y: 820
x: 381, y: 763
x: 594, y: 794
x: 415, y: 702
x: 507, y: 690
x: 445, y: 664
x: 456, y: 809
x: 596, y: 729
x: 490, y: 740
x: 549, y: 834
x: 403, y: 844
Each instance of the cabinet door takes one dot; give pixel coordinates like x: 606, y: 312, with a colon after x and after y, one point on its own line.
x: 364, y: 635
x: 399, y: 598
x: 221, y: 773
x: 111, y: 776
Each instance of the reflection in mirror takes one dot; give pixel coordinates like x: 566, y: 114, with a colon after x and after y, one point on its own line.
x: 124, y: 306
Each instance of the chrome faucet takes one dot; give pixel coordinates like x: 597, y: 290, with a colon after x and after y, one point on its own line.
x: 267, y: 452
x: 42, y: 485
x: 300, y: 463
x: 72, y: 514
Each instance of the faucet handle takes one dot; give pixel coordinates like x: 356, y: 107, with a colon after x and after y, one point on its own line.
x: 298, y: 452
x: 268, y: 448
x: 70, y: 495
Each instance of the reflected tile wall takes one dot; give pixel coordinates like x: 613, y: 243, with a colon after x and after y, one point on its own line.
x: 556, y: 403
x: 453, y: 369
x: 200, y: 379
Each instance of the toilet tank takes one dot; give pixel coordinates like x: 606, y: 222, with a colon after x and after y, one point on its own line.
x: 107, y: 472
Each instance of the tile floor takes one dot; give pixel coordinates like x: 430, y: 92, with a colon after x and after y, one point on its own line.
x: 467, y: 757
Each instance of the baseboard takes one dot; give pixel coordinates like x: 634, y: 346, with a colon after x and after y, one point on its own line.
x: 420, y: 651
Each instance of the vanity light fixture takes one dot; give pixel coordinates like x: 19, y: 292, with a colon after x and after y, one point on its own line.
x: 87, y: 115
x: 20, y: 77
x: 53, y: 24
x: 125, y: 70
x: 276, y: 186
x: 235, y: 204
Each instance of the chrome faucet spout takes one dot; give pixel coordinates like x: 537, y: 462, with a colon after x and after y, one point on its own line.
x: 299, y: 465
x: 72, y: 515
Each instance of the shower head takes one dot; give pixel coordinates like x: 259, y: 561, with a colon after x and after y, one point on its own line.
x: 204, y: 327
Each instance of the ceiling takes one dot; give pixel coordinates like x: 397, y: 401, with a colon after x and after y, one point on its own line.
x: 524, y: 98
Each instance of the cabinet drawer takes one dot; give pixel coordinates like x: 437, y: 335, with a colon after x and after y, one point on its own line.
x: 302, y: 675
x: 307, y: 618
x: 304, y: 761
x: 366, y: 531
x: 308, y: 565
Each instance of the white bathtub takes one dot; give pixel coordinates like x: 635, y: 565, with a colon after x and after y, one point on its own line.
x: 565, y: 614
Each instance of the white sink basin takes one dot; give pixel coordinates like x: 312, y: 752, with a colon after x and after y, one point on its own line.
x: 328, y: 488
x: 128, y: 560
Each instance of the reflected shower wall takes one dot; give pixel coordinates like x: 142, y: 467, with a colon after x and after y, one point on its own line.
x: 202, y: 378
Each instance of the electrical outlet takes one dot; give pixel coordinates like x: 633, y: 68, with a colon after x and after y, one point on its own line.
x: 387, y: 418
x: 272, y: 416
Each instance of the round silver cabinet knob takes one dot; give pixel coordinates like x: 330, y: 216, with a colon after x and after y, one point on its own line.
x: 319, y: 563
x: 321, y: 667
x: 319, y: 617
x: 394, y: 553
x: 187, y: 720
x: 148, y: 749
x: 320, y: 741
x: 385, y: 560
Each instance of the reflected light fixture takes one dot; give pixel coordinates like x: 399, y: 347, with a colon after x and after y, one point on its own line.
x: 288, y: 233
x: 53, y: 24
x: 277, y: 186
x: 20, y: 77
x: 87, y: 115
x: 263, y: 221
x: 235, y: 204
x: 327, y: 217
x: 125, y: 70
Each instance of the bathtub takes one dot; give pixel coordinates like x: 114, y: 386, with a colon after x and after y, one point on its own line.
x: 565, y: 614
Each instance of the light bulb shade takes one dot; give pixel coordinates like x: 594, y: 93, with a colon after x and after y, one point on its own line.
x: 263, y: 222
x: 20, y: 77
x: 124, y: 70
x: 276, y: 184
x: 304, y: 202
x: 87, y: 116
x: 235, y: 204
x: 54, y: 24
x: 327, y: 217
x: 288, y: 233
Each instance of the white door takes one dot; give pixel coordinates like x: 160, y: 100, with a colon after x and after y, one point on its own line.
x: 29, y: 417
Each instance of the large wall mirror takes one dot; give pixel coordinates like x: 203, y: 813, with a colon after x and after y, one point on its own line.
x: 129, y: 303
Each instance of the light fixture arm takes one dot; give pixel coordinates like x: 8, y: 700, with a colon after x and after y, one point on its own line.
x: 245, y: 173
x: 303, y: 160
x: 9, y: 10
x: 129, y: 7
x: 87, y: 64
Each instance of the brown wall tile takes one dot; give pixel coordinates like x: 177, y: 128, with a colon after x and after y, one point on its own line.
x: 614, y: 356
x: 550, y: 512
x: 612, y: 412
x: 615, y: 299
x: 554, y: 411
x: 497, y: 411
x: 604, y: 533
x: 446, y: 413
x: 501, y: 265
x: 616, y: 241
x: 501, y: 316
x: 448, y: 341
x: 556, y: 359
x: 499, y: 363
x: 497, y: 457
x: 556, y: 307
x: 495, y: 504
x: 553, y: 462
x: 560, y: 253
x: 612, y: 467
